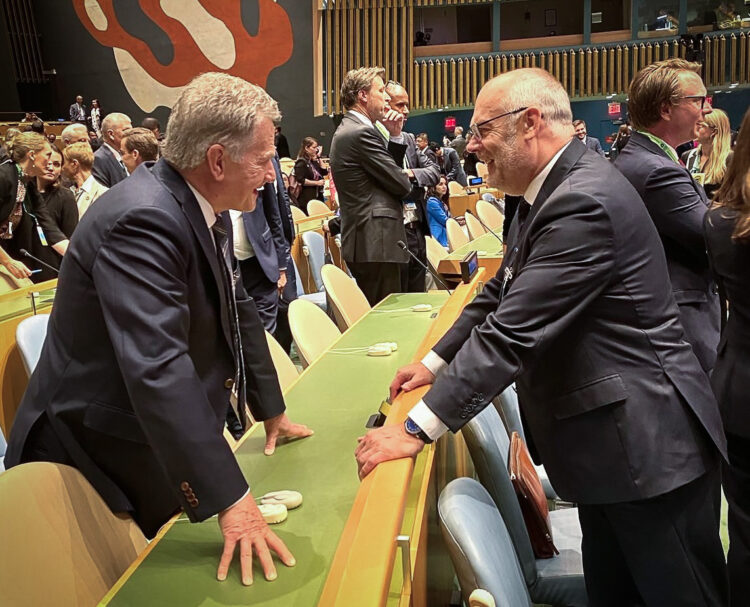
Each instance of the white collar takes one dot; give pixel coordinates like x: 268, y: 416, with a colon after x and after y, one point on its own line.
x: 114, y: 151
x: 208, y: 211
x: 87, y: 185
x: 362, y: 118
x: 532, y: 191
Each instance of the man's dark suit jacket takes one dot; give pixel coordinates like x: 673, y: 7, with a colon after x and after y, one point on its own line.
x: 677, y: 205
x: 136, y: 370
x: 371, y: 185
x: 107, y: 169
x: 73, y: 113
x: 265, y: 233
x: 426, y: 174
x: 593, y: 144
x: 730, y: 261
x: 615, y: 399
x: 452, y: 168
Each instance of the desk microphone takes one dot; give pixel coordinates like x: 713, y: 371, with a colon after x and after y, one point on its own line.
x: 485, y: 226
x: 25, y: 253
x: 427, y: 267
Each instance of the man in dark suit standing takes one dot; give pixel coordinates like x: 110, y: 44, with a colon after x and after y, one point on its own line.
x: 459, y: 141
x: 263, y: 253
x: 591, y: 143
x: 667, y: 100
x: 447, y: 160
x: 423, y: 173
x: 152, y: 336
x: 109, y: 168
x: 77, y: 111
x: 581, y: 316
x: 371, y: 183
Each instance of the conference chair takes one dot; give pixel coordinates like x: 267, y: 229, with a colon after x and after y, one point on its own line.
x: 482, y: 171
x: 456, y: 236
x: 489, y: 214
x: 554, y: 581
x: 61, y: 544
x: 30, y: 334
x: 318, y: 297
x: 314, y: 249
x: 456, y: 189
x: 316, y: 207
x: 3, y: 449
x: 348, y: 302
x: 312, y: 330
x: 297, y: 213
x: 435, y: 251
x: 284, y: 366
x: 480, y: 546
x: 475, y: 228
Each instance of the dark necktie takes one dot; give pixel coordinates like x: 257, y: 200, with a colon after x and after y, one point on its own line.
x: 523, y: 212
x: 222, y: 252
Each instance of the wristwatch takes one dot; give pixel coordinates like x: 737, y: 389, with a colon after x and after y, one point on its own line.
x: 412, y: 428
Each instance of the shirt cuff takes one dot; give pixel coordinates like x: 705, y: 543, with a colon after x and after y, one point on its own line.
x: 398, y: 138
x: 430, y: 423
x: 434, y: 363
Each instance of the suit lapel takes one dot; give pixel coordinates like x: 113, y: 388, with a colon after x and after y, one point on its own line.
x: 174, y: 182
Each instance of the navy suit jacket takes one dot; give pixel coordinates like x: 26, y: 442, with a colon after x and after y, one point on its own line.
x: 593, y: 144
x: 107, y: 170
x: 677, y: 205
x: 136, y: 369
x: 452, y: 167
x: 587, y: 327
x: 265, y: 232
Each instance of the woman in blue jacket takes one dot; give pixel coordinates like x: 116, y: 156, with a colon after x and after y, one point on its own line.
x: 437, y: 210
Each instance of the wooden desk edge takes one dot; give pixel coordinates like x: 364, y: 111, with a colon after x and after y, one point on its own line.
x: 365, y: 555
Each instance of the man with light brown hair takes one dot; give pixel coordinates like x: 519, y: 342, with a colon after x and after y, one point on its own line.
x: 79, y: 162
x: 138, y: 145
x: 667, y: 101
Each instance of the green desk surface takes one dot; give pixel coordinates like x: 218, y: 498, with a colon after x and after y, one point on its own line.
x: 488, y: 243
x: 335, y: 396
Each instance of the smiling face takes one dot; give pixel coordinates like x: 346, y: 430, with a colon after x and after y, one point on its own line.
x: 243, y: 178
x: 581, y: 131
x: 687, y: 113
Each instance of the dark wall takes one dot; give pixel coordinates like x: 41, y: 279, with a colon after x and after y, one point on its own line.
x: 86, y: 67
x: 10, y: 105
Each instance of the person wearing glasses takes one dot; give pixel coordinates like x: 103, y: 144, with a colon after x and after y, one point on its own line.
x: 667, y: 103
x: 709, y: 160
x: 581, y: 317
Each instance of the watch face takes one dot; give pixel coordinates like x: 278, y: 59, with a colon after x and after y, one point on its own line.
x: 411, y: 427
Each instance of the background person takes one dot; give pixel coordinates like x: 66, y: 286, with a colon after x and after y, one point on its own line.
x: 309, y: 173
x: 438, y: 210
x: 711, y: 156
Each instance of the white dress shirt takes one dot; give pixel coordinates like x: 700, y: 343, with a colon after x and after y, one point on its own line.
x: 243, y: 249
x: 421, y: 414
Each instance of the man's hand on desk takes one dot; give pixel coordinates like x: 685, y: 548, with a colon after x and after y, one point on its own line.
x: 410, y: 377
x: 384, y: 444
x: 282, y: 427
x: 243, y: 524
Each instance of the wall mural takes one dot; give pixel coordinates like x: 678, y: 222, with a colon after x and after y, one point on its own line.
x: 206, y: 36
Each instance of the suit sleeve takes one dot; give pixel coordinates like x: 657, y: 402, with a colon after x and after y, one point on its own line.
x: 273, y: 218
x: 570, y: 263
x: 453, y: 173
x: 383, y: 165
x: 100, y: 172
x: 68, y: 213
x: 677, y: 209
x: 52, y: 231
x: 143, y: 260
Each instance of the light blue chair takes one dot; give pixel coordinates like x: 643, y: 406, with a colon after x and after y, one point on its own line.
x: 3, y: 449
x: 554, y: 581
x: 30, y: 335
x: 479, y: 544
x: 314, y: 249
x: 319, y: 298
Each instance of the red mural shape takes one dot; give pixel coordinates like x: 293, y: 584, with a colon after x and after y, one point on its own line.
x: 256, y: 55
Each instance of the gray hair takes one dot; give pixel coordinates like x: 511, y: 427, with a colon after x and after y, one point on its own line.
x: 358, y: 80
x: 215, y: 108
x: 538, y: 88
x: 69, y: 132
x: 111, y: 121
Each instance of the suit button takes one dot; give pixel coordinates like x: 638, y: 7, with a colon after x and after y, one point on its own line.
x: 194, y: 503
x: 229, y: 384
x: 184, y: 485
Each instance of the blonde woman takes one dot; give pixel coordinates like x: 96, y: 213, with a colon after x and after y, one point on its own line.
x: 710, y: 158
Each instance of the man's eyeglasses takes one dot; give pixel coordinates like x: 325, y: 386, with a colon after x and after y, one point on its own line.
x: 474, y: 128
x: 701, y: 97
